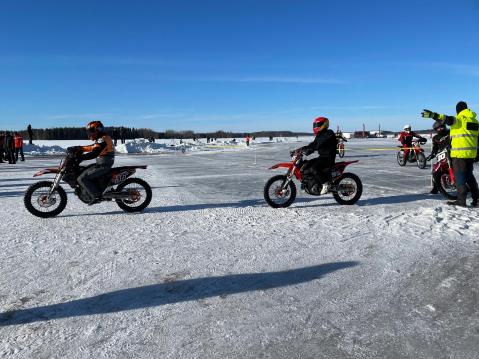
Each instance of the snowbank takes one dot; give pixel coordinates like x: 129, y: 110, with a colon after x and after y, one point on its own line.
x: 39, y: 150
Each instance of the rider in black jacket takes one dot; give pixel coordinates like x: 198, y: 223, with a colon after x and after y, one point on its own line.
x: 440, y: 142
x: 325, y: 143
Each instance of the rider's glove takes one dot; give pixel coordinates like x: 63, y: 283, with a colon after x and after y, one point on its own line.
x: 428, y: 158
x: 429, y: 114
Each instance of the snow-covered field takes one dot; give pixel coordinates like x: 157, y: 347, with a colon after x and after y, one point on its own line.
x: 209, y: 271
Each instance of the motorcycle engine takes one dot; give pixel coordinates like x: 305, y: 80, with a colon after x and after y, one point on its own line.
x: 84, y: 197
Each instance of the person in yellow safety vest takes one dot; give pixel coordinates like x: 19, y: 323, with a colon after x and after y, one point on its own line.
x: 464, y: 140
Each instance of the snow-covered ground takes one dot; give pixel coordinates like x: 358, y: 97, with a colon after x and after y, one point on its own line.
x: 209, y: 271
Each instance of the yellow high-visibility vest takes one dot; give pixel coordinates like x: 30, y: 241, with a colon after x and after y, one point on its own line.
x: 464, y: 133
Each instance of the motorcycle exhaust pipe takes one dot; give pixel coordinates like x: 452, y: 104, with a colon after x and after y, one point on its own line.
x: 117, y: 195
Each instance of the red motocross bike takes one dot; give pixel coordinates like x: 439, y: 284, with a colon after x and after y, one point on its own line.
x: 47, y: 198
x: 416, y: 154
x: 280, y: 191
x: 443, y: 175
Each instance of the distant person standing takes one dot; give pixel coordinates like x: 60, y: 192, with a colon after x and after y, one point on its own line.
x: 123, y: 134
x: 2, y: 147
x: 30, y: 134
x: 247, y: 139
x: 9, y: 148
x: 115, y: 137
x: 18, y: 142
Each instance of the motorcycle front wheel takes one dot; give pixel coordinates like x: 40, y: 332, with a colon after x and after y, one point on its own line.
x: 38, y: 203
x: 341, y: 152
x: 444, y: 185
x: 400, y: 158
x: 348, y: 189
x: 421, y: 160
x: 275, y: 195
x: 140, y: 195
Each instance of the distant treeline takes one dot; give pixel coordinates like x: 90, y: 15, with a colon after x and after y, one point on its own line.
x: 79, y: 133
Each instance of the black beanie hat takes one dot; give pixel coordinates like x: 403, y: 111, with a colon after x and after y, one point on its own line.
x: 461, y: 105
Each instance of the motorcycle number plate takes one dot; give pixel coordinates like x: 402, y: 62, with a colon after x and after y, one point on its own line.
x: 120, y: 177
x: 441, y: 156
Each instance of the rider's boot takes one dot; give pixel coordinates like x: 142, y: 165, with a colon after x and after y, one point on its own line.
x: 461, y: 197
x: 325, y: 188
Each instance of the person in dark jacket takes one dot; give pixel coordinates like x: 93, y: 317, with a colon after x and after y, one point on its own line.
x: 104, y: 152
x: 9, y: 148
x: 2, y: 147
x: 30, y: 134
x: 115, y: 137
x: 440, y: 142
x: 325, y: 144
x: 123, y: 134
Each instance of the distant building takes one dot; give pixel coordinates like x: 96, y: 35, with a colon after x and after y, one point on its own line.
x: 362, y: 134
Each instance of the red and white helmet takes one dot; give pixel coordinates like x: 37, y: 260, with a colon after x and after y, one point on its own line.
x: 320, y: 124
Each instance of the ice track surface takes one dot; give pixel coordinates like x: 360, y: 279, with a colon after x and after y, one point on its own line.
x: 209, y: 271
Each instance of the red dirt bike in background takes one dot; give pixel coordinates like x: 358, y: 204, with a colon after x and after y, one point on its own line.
x: 416, y: 154
x: 341, y: 150
x: 443, y: 175
x: 48, y: 199
x: 280, y: 191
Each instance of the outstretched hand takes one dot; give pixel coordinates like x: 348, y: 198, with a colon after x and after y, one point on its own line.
x: 429, y: 114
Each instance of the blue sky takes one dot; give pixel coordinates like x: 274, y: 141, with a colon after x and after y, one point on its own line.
x: 240, y: 65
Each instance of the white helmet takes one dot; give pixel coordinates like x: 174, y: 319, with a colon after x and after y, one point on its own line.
x: 407, y: 127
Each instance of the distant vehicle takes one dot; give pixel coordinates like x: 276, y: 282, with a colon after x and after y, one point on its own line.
x: 416, y: 154
x: 280, y: 191
x: 48, y: 199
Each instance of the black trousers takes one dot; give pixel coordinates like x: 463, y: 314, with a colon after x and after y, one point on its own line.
x: 10, y: 155
x: 320, y: 168
x: 463, y: 171
x: 17, y: 150
x: 89, y: 177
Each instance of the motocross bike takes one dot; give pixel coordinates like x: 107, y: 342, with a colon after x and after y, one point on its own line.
x: 341, y: 150
x: 443, y: 175
x: 280, y: 190
x: 416, y: 154
x: 47, y: 198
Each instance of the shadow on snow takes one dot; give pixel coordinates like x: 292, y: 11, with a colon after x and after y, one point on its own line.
x: 170, y: 293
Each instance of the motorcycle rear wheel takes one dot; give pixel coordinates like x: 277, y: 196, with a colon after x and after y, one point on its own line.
x: 35, y: 200
x: 143, y: 191
x: 349, y: 189
x: 275, y: 196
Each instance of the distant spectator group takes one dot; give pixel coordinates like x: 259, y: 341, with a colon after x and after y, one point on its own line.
x: 121, y: 134
x: 11, y: 146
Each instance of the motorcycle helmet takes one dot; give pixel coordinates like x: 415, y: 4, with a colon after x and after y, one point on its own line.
x: 461, y: 106
x: 407, y: 128
x: 320, y: 124
x: 93, y: 129
x: 438, y: 126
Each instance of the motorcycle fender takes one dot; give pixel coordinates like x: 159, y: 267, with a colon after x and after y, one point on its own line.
x: 46, y: 171
x: 289, y: 166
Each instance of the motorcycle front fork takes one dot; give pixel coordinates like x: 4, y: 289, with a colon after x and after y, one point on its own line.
x: 289, y: 178
x: 55, y: 184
